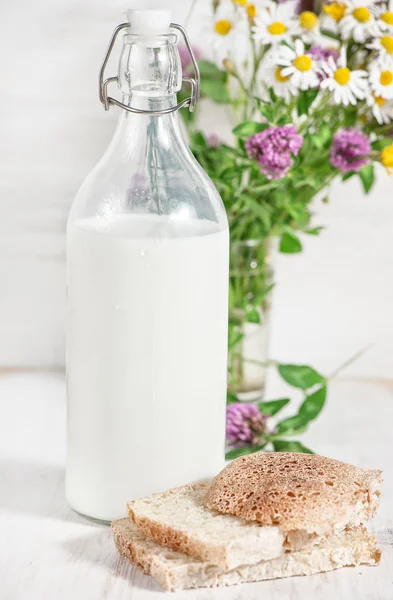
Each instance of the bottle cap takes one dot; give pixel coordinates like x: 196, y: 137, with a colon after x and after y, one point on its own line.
x: 149, y: 21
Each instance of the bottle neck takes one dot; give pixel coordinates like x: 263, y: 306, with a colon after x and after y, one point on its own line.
x: 148, y: 103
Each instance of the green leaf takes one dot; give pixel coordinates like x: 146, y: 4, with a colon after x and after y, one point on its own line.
x: 300, y: 376
x: 349, y: 175
x: 295, y: 424
x: 284, y: 120
x: 215, y: 90
x: 313, y: 404
x: 350, y: 117
x: 198, y: 139
x: 314, y: 230
x: 253, y: 316
x: 290, y: 243
x: 236, y: 452
x: 304, y: 101
x: 366, y: 175
x: 209, y: 70
x: 234, y: 337
x: 290, y: 446
x: 267, y: 111
x: 230, y: 173
x: 260, y: 211
x: 231, y: 398
x: 323, y: 137
x: 272, y: 407
x: 259, y: 297
x: 382, y: 143
x: 248, y: 128
x: 308, y: 411
x: 272, y: 94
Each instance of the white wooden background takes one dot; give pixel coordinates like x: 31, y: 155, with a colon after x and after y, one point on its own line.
x: 47, y: 552
x: 332, y: 300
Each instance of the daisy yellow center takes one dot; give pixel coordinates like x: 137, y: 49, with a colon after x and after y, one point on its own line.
x: 387, y: 17
x: 223, y: 27
x: 361, y: 14
x: 251, y: 10
x: 379, y: 101
x: 302, y: 63
x: 308, y: 20
x: 240, y: 2
x: 277, y: 28
x: 387, y: 43
x: 279, y: 76
x: 386, y: 78
x: 335, y: 10
x: 387, y: 156
x: 342, y: 75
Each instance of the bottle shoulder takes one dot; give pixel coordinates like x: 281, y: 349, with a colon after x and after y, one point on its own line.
x: 149, y: 170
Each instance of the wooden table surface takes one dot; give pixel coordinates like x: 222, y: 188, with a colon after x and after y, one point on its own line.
x: 47, y: 552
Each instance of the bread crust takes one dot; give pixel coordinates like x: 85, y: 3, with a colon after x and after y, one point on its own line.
x: 178, y: 571
x: 178, y: 519
x: 295, y: 491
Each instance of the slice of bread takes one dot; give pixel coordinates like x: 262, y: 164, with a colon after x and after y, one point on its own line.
x: 173, y: 570
x: 179, y: 520
x: 298, y: 492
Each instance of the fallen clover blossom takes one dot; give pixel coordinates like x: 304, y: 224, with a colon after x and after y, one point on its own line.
x: 244, y: 424
x: 350, y: 150
x: 273, y: 149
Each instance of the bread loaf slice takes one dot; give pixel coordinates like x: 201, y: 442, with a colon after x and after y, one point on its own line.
x: 173, y: 570
x: 298, y: 492
x: 179, y: 520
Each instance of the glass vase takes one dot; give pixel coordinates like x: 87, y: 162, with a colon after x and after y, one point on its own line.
x: 251, y: 281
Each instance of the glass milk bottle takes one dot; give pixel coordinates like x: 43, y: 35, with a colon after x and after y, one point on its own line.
x: 147, y: 270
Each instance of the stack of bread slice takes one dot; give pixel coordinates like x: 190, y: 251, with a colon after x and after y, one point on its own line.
x: 265, y: 516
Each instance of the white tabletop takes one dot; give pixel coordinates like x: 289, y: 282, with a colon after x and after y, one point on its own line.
x: 47, y: 552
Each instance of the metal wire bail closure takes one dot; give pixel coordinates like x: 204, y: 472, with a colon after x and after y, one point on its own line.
x: 195, y: 83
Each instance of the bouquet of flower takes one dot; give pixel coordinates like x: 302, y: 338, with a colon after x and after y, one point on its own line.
x: 311, y: 98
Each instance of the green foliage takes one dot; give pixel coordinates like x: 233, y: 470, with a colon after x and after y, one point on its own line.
x: 261, y: 209
x: 366, y: 175
x: 305, y: 100
x: 272, y: 407
x: 300, y: 376
x: 290, y: 243
x: 315, y: 391
x: 248, y: 128
x: 308, y: 411
x: 290, y: 446
x: 236, y: 452
x: 214, y: 82
x: 382, y: 143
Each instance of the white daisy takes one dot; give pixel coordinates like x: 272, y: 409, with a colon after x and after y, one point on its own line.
x: 381, y: 79
x: 381, y: 108
x: 224, y: 27
x: 273, y: 24
x: 346, y: 86
x: 307, y: 26
x: 332, y: 14
x: 384, y: 46
x: 385, y: 21
x: 273, y: 78
x: 359, y: 22
x: 299, y: 66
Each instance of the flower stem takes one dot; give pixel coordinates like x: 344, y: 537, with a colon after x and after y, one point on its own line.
x: 348, y: 362
x: 189, y: 13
